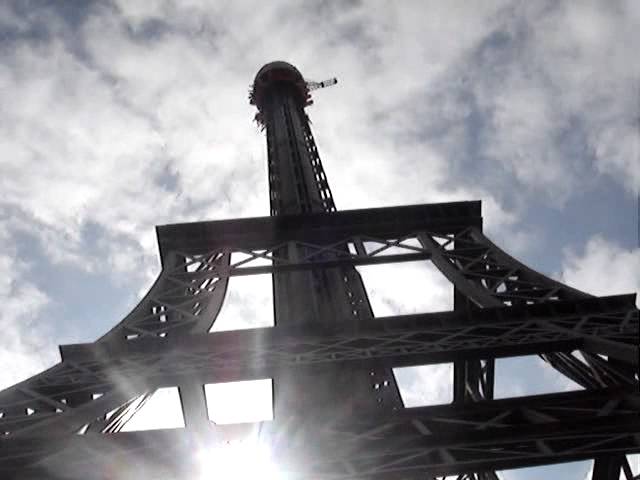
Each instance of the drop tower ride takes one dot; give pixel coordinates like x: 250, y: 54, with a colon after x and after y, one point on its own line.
x: 337, y: 409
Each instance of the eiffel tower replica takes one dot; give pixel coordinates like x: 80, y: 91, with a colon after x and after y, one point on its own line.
x: 337, y: 409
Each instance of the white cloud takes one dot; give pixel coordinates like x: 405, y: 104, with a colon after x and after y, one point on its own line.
x: 529, y: 375
x: 425, y: 385
x: 148, y: 99
x: 603, y: 268
x: 248, y: 304
x: 616, y: 147
x: 590, y: 47
x: 558, y: 87
x: 25, y: 346
x: 137, y: 116
x: 406, y: 288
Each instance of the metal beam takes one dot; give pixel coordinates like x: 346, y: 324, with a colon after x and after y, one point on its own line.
x: 441, y: 440
x: 263, y: 232
x: 261, y: 352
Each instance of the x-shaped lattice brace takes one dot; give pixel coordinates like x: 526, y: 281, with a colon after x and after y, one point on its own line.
x: 191, y: 288
x: 408, y: 444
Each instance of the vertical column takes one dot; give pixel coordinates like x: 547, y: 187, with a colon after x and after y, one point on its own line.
x: 194, y: 408
x: 323, y: 297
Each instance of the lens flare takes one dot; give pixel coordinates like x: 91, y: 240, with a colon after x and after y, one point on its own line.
x: 243, y: 460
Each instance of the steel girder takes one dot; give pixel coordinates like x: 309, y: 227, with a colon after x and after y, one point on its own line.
x: 225, y: 356
x: 191, y: 287
x: 297, y: 181
x: 395, y: 341
x: 317, y: 228
x: 408, y: 444
x: 197, y: 262
x: 523, y: 316
x: 326, y: 344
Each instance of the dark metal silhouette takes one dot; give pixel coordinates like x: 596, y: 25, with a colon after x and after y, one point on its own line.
x: 338, y: 413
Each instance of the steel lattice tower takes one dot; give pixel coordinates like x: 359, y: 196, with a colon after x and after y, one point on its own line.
x: 338, y: 413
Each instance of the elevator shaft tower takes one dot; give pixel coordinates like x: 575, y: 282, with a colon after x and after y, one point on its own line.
x: 316, y: 298
x: 338, y: 413
x: 298, y: 185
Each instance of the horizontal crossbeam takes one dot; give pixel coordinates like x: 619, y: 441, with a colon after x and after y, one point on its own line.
x: 391, y: 342
x: 409, y: 444
x: 346, y: 260
x: 307, y: 353
x: 319, y: 228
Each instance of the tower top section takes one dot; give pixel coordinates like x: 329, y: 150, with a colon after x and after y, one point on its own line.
x: 282, y: 74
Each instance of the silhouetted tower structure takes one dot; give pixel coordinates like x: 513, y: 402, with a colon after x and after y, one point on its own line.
x: 338, y: 413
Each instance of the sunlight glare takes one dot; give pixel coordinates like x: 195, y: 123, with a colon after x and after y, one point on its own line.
x: 244, y: 460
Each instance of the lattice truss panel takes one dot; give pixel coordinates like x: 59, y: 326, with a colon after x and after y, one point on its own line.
x: 504, y: 433
x: 441, y: 440
x: 185, y: 299
x: 423, y: 338
x: 294, y: 121
x: 322, y: 184
x: 511, y: 310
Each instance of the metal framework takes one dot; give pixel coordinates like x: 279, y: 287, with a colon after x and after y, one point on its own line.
x: 338, y: 412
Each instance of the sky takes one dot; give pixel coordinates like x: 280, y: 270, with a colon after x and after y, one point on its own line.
x: 116, y: 116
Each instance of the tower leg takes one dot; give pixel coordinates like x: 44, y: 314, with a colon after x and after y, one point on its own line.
x: 607, y: 468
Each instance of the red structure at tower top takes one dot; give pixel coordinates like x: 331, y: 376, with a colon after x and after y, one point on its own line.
x: 279, y: 72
